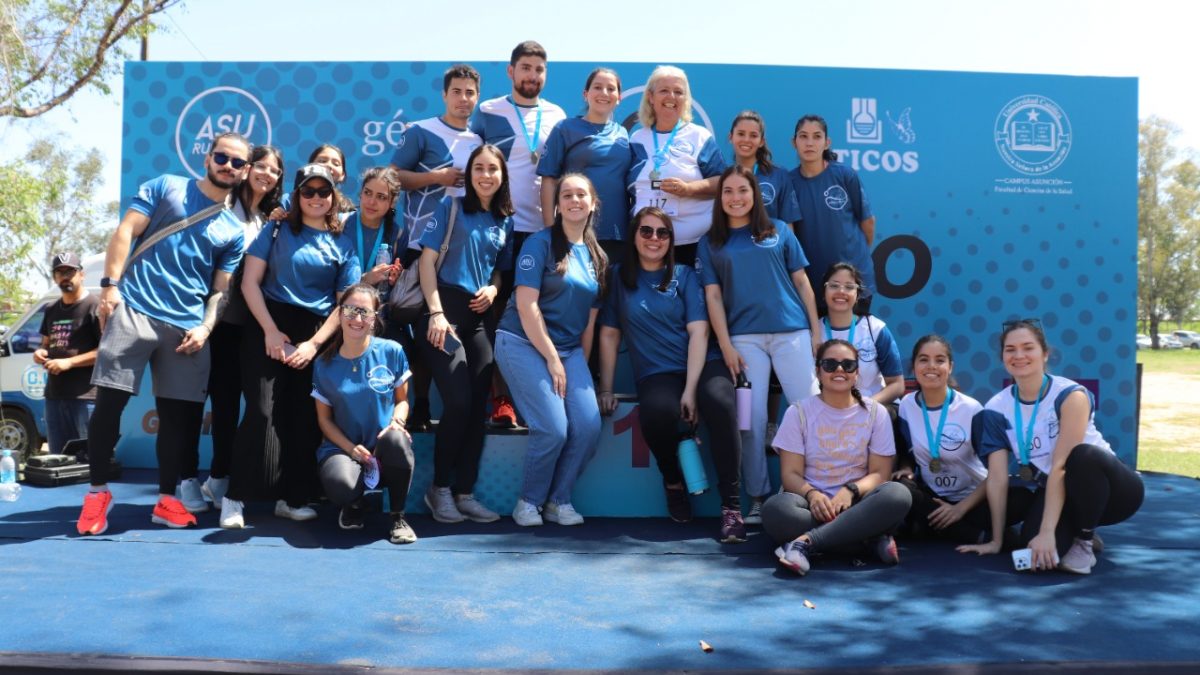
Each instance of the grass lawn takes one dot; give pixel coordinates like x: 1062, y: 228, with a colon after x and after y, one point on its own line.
x: 1158, y: 455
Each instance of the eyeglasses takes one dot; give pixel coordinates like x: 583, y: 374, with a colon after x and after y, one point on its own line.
x: 1032, y: 321
x: 310, y: 192
x: 222, y: 159
x: 831, y: 365
x: 352, y: 312
x: 838, y: 287
x: 263, y: 166
x: 647, y: 232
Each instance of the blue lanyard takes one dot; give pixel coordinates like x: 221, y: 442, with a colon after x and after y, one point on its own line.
x: 530, y: 140
x: 362, y: 258
x: 935, y: 442
x: 660, y: 156
x: 1025, y: 435
x: 849, y: 335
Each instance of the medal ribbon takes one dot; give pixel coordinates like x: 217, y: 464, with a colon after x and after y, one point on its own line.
x: 1025, y: 435
x: 935, y: 442
x: 849, y: 334
x: 660, y: 156
x: 530, y: 140
x: 362, y: 256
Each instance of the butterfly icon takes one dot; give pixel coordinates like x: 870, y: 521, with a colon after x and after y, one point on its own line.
x: 903, y: 126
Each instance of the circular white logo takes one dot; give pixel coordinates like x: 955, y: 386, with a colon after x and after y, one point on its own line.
x: 836, y: 197
x: 767, y: 242
x: 380, y: 379
x: 431, y: 225
x: 526, y: 262
x: 1033, y: 135
x: 33, y: 381
x: 213, y: 112
x: 768, y: 193
x: 496, y: 236
x: 953, y: 437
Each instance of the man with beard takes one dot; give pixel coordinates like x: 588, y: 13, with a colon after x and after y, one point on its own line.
x: 519, y: 124
x: 158, y: 305
x: 70, y: 336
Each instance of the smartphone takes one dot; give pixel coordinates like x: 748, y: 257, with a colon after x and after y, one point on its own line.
x: 451, y: 343
x: 1023, y: 560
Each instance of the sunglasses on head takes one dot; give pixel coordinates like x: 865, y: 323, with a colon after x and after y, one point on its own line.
x: 222, y: 159
x: 352, y: 312
x: 831, y: 365
x: 310, y: 192
x: 1029, y: 321
x: 647, y: 232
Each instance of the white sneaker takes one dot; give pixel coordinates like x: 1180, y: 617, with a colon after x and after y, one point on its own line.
x: 526, y: 514
x: 231, y: 514
x: 754, y: 516
x: 1080, y: 558
x: 563, y: 514
x: 474, y: 510
x: 299, y: 513
x: 441, y: 505
x: 189, y: 494
x: 214, y: 489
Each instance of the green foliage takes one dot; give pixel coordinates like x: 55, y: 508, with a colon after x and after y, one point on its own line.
x: 49, y: 50
x: 20, y: 231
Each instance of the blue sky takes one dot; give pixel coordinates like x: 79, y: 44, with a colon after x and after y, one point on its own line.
x: 1153, y: 41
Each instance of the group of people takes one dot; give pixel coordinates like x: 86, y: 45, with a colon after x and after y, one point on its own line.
x: 503, y: 242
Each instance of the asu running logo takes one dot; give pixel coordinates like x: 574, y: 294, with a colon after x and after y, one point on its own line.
x: 213, y: 112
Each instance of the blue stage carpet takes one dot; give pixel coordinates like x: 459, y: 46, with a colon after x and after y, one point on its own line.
x: 613, y: 594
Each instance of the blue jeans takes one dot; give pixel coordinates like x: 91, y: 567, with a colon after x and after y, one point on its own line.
x: 563, y: 432
x: 66, y: 420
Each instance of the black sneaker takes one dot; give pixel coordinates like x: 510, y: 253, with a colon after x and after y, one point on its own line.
x: 351, y: 516
x: 678, y: 504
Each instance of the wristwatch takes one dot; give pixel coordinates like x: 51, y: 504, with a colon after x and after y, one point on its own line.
x: 106, y: 282
x: 853, y: 488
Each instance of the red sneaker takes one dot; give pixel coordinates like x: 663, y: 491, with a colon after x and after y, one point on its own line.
x: 169, y: 511
x: 94, y: 517
x: 504, y: 415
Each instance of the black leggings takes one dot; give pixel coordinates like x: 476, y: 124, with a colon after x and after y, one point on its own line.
x: 658, y: 416
x: 177, y: 437
x: 973, y: 525
x: 400, y: 326
x: 342, y: 477
x: 225, y: 395
x: 275, y: 450
x: 464, y: 381
x: 1100, y: 490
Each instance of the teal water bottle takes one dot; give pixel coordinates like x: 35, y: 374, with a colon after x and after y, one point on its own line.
x: 692, y: 464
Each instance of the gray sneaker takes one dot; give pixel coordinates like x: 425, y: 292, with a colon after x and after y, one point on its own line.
x: 441, y: 505
x: 189, y: 494
x: 526, y: 514
x: 563, y: 514
x: 214, y: 489
x: 754, y: 516
x: 401, y: 532
x: 474, y: 510
x: 1080, y: 558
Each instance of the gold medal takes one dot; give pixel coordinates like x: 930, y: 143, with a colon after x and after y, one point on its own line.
x: 935, y: 465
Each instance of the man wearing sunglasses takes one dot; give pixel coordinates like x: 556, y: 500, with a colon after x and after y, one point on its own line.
x: 166, y: 269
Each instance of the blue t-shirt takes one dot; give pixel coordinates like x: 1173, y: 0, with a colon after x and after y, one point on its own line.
x: 511, y: 128
x: 172, y: 279
x: 428, y: 145
x: 566, y: 300
x: 478, y: 246
x: 779, y: 197
x: 307, y: 269
x: 600, y: 152
x: 833, y: 203
x: 360, y: 391
x: 691, y: 155
x: 756, y: 280
x: 653, y: 322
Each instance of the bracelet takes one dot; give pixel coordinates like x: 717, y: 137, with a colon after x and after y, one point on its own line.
x: 433, y: 314
x: 809, y: 492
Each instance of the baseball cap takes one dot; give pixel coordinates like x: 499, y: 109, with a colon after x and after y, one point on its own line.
x: 311, y: 171
x: 66, y: 259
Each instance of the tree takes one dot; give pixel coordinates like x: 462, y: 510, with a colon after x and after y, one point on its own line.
x: 51, y: 50
x: 19, y: 233
x: 1168, y: 224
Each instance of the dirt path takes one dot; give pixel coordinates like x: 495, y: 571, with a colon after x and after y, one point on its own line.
x: 1171, y: 411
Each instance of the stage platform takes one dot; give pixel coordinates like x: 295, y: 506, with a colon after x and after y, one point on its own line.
x: 614, y: 594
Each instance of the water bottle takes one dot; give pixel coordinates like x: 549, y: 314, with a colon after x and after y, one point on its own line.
x: 744, y: 402
x: 692, y: 465
x: 383, y: 256
x: 10, y: 489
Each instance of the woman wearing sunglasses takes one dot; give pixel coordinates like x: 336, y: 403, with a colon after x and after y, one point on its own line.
x: 331, y: 157
x: 1047, y: 423
x: 459, y: 296
x: 360, y: 383
x: 258, y: 195
x: 880, y: 372
x: 762, y: 310
x: 295, y: 272
x: 542, y: 344
x: 659, y: 307
x: 836, y: 453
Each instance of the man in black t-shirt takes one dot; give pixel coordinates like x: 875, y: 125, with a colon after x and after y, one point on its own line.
x: 70, y: 338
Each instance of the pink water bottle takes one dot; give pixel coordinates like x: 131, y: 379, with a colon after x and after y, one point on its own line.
x: 744, y: 404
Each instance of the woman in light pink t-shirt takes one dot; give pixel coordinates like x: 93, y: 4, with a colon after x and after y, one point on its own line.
x: 836, y: 453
